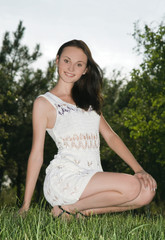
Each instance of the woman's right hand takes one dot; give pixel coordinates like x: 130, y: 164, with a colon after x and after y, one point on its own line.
x: 23, y: 210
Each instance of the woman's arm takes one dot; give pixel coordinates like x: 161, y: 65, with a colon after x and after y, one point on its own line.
x: 117, y: 145
x: 35, y: 160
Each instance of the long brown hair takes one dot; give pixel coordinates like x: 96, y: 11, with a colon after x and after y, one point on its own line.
x: 86, y: 91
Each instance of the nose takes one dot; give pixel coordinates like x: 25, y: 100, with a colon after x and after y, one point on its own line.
x: 71, y: 67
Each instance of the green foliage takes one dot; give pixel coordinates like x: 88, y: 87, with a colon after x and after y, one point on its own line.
x: 145, y: 114
x: 112, y: 104
x: 135, y: 109
x: 20, y: 85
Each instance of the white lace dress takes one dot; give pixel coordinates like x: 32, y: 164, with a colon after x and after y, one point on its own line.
x: 76, y: 134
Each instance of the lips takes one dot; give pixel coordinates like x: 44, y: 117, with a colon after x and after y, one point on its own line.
x: 69, y: 74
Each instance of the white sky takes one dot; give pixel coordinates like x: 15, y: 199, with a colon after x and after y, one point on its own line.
x: 105, y: 25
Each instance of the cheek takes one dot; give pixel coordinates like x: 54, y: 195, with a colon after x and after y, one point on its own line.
x: 79, y: 74
x: 61, y: 65
x: 81, y: 71
x: 61, y: 68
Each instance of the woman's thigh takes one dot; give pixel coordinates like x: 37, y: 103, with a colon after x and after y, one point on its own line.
x: 107, y: 181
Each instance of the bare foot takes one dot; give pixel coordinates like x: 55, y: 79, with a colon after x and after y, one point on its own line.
x: 56, y: 211
x: 64, y: 213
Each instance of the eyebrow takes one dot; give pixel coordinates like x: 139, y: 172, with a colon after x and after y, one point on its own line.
x: 77, y: 61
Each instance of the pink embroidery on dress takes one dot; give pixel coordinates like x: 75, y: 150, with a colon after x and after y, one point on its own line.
x: 82, y: 141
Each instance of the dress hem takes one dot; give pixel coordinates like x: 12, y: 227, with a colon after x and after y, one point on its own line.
x: 82, y: 188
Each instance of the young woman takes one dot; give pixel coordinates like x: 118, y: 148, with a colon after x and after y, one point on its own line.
x: 70, y: 112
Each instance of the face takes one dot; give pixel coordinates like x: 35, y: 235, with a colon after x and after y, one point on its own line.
x: 71, y: 64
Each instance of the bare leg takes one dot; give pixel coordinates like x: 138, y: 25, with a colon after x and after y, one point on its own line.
x: 111, y: 192
x: 145, y: 196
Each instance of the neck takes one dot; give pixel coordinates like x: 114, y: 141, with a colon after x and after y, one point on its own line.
x: 63, y: 88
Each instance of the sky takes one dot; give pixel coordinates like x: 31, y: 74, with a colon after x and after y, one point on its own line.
x: 105, y: 25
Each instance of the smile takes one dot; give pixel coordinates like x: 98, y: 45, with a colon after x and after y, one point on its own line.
x: 69, y: 74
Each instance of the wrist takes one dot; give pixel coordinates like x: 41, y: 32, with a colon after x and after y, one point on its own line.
x: 139, y: 170
x: 25, y: 205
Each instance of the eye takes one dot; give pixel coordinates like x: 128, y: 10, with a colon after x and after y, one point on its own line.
x: 79, y: 65
x: 66, y: 60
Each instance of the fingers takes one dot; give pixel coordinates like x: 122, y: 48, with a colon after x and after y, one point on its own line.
x: 150, y: 182
x: 147, y: 180
x: 23, y: 212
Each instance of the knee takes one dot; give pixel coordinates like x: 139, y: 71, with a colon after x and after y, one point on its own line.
x: 146, y: 196
x: 133, y: 188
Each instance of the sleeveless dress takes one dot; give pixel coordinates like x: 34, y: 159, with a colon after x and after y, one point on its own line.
x: 76, y: 134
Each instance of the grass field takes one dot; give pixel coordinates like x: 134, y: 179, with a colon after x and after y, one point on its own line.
x: 39, y: 225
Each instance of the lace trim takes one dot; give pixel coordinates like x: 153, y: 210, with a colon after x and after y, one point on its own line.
x: 82, y: 141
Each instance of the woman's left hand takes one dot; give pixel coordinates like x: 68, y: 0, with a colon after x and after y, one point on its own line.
x: 147, y: 179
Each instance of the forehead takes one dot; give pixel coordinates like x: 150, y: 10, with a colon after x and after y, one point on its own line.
x: 74, y: 53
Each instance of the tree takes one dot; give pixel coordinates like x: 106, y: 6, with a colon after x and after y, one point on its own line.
x: 114, y: 99
x: 20, y: 85
x: 136, y: 109
x: 145, y: 114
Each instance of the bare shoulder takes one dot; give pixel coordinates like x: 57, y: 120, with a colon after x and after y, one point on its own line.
x: 40, y: 109
x: 41, y: 105
x: 44, y: 111
x: 40, y: 102
x: 39, y: 119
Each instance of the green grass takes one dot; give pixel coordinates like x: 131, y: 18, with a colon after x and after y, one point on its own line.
x: 38, y: 224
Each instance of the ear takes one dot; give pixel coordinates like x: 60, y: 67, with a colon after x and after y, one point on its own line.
x: 85, y: 71
x: 57, y: 60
